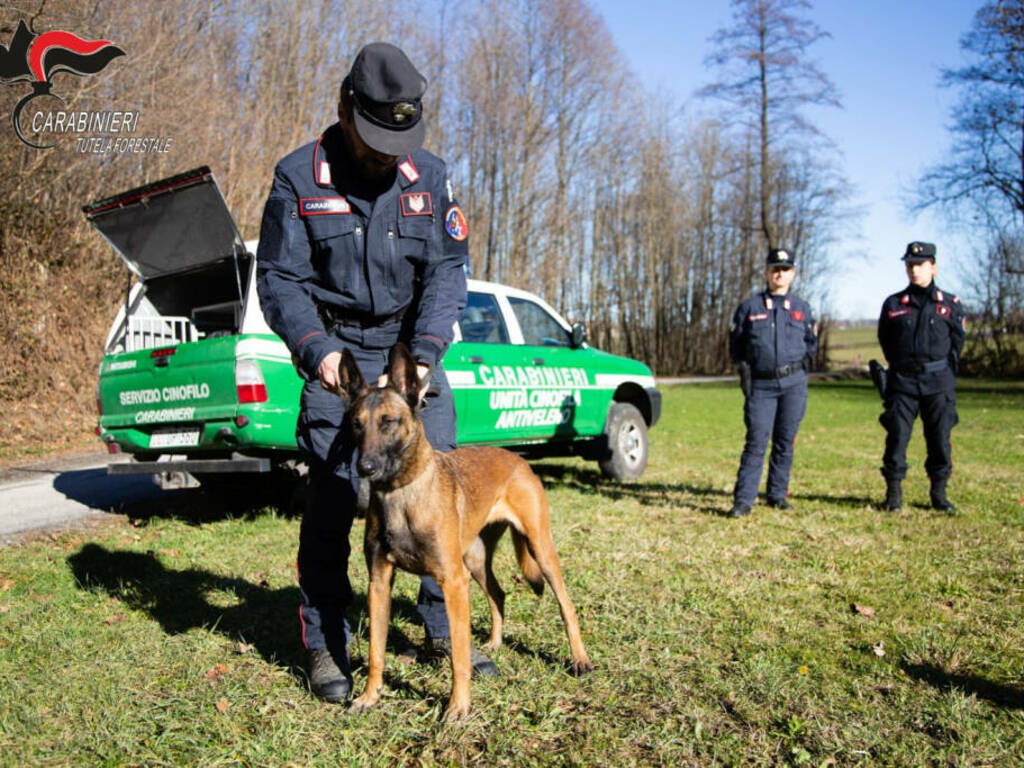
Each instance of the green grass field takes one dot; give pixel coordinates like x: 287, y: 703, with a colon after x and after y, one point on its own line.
x: 172, y: 639
x: 853, y: 347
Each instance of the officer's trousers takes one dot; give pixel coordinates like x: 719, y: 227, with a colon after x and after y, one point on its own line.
x: 773, y: 410
x: 324, y: 433
x: 938, y: 415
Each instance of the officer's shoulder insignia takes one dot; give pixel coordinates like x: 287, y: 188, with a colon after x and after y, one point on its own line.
x: 893, y: 313
x: 943, y: 310
x: 956, y: 299
x: 757, y: 316
x: 963, y: 322
x: 417, y: 204
x: 797, y: 315
x: 409, y: 170
x: 455, y: 224
x: 320, y: 206
x: 905, y: 298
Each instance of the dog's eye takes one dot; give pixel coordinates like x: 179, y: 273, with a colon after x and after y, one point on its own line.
x: 386, y: 422
x: 357, y: 426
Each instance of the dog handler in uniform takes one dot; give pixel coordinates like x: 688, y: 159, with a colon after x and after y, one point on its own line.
x: 772, y: 341
x: 362, y: 244
x: 921, y: 331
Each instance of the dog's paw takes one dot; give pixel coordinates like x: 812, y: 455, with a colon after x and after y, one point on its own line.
x: 580, y: 667
x: 364, y: 703
x: 455, y: 713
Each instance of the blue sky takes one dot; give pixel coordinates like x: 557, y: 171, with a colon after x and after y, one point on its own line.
x: 884, y: 58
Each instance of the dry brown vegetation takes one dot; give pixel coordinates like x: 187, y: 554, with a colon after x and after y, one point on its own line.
x: 621, y: 209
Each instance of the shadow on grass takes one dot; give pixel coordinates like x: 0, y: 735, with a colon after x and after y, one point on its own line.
x: 857, y: 501
x: 137, y: 497
x: 179, y: 601
x: 590, y: 481
x: 1009, y: 696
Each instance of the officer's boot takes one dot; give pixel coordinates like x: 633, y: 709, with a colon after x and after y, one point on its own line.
x: 326, y: 679
x: 893, y: 494
x: 938, y: 496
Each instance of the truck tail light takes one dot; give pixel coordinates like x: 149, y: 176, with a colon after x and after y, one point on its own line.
x: 249, y: 382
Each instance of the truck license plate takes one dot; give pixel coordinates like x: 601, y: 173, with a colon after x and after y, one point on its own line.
x: 174, y: 438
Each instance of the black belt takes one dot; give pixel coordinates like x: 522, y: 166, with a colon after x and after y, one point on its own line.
x: 929, y: 367
x: 333, y: 318
x: 779, y: 373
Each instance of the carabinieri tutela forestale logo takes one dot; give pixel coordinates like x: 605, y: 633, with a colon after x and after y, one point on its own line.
x: 35, y: 58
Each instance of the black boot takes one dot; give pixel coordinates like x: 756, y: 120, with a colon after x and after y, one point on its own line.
x: 739, y: 509
x: 480, y: 662
x: 893, y: 494
x: 938, y: 496
x: 326, y: 679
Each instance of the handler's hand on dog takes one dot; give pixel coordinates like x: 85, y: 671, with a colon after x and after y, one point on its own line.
x: 421, y: 370
x: 328, y: 374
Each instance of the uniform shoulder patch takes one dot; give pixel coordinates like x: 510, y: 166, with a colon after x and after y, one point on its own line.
x: 455, y: 224
x: 759, y: 316
x: 898, y: 312
x: 943, y: 310
x: 797, y: 315
x: 409, y: 170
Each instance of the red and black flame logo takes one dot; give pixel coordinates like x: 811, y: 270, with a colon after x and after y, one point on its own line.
x: 36, y: 58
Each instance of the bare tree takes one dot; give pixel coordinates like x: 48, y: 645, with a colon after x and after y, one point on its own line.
x: 984, y: 176
x: 768, y: 78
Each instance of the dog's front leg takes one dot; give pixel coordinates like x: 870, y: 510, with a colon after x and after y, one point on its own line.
x: 382, y: 573
x: 455, y: 587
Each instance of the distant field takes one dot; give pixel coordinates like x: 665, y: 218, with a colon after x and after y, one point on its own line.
x: 172, y: 639
x: 850, y: 347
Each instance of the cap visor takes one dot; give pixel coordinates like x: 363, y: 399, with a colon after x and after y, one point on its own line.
x: 390, y: 142
x: 917, y: 259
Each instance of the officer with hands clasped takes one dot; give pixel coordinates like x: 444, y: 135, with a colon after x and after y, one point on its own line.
x: 362, y: 245
x: 921, y: 331
x: 772, y: 341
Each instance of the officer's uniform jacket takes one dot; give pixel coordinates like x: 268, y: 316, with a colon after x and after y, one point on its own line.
x: 382, y: 269
x: 775, y: 335
x: 921, y: 332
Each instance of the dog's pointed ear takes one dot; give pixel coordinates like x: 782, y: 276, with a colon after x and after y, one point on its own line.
x: 352, y: 381
x: 402, y: 375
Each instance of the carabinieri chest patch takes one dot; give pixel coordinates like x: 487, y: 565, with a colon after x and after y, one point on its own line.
x: 322, y: 206
x: 417, y: 204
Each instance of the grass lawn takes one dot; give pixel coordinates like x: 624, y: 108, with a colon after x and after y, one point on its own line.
x: 171, y: 639
x: 853, y: 347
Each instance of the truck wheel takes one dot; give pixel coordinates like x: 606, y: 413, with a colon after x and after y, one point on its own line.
x: 626, y: 433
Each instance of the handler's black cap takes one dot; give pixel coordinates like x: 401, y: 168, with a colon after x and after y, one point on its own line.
x: 918, y: 251
x: 780, y: 257
x: 386, y: 91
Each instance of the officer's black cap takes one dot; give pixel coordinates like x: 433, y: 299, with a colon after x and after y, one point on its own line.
x: 780, y: 257
x: 387, y: 91
x: 918, y: 251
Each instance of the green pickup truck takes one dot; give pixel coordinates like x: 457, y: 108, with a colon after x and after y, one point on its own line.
x: 194, y: 383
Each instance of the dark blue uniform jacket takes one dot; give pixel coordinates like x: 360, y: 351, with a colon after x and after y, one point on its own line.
x: 386, y: 261
x: 919, y: 330
x: 773, y: 332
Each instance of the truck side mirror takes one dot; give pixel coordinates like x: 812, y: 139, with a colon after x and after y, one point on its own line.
x: 579, y: 334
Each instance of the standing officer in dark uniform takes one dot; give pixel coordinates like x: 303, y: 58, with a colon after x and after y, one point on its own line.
x: 921, y: 331
x: 772, y: 341
x: 362, y: 245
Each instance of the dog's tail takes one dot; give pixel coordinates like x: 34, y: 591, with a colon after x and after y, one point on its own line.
x: 529, y: 567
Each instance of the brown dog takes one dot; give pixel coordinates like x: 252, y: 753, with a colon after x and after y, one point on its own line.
x: 442, y: 514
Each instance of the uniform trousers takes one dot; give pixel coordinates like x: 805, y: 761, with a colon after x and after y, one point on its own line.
x: 772, y: 411
x: 938, y: 415
x: 324, y: 433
